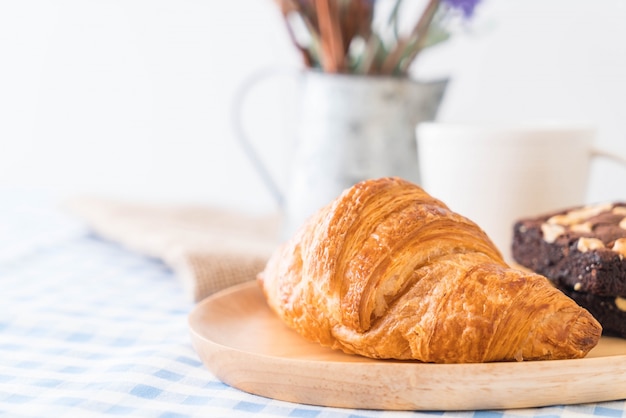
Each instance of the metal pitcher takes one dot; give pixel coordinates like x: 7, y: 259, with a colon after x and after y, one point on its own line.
x: 349, y: 128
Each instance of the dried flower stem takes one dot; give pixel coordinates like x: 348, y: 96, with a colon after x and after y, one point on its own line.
x: 286, y: 8
x: 330, y: 35
x: 407, y: 48
x: 337, y: 36
x: 370, y: 56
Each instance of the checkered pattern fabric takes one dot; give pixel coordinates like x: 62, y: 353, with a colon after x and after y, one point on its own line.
x: 88, y: 328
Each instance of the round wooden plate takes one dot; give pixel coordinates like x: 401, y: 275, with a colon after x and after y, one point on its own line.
x: 246, y: 346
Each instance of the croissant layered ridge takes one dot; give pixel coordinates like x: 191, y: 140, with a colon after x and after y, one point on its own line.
x: 387, y: 271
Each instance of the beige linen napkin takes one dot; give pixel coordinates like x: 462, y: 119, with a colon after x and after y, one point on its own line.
x: 208, y: 248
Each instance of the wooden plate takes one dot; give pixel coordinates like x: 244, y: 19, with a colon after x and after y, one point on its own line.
x: 246, y: 346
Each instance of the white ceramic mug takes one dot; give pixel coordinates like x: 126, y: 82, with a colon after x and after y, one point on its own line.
x: 496, y: 174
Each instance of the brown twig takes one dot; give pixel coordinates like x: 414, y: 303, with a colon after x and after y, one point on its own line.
x: 398, y: 60
x: 370, y: 57
x: 332, y: 26
x: 403, y: 66
x: 356, y: 20
x: 288, y: 8
x: 330, y: 36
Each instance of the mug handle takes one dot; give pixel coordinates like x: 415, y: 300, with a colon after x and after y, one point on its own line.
x: 244, y: 140
x: 620, y: 159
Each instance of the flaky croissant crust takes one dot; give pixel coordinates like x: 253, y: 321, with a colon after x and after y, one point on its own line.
x: 387, y: 271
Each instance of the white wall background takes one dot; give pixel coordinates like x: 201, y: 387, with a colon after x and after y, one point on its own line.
x: 132, y: 98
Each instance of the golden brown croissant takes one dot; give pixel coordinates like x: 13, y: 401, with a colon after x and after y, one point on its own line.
x: 387, y: 271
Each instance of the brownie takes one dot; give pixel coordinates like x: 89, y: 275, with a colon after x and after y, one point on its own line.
x: 609, y: 311
x: 581, y: 248
x: 582, y: 251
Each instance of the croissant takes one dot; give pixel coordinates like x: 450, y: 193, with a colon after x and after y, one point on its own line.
x: 387, y: 271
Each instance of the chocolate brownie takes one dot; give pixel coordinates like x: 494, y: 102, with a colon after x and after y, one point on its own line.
x: 579, y: 248
x: 582, y: 251
x: 610, y: 311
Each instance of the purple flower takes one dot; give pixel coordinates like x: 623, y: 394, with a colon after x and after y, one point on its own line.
x: 465, y: 6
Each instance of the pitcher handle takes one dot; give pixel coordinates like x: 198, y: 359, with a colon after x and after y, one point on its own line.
x: 244, y: 140
x: 620, y: 159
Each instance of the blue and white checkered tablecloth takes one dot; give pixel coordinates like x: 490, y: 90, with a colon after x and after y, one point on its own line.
x: 88, y: 328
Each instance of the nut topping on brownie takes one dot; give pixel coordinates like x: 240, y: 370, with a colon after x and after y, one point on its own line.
x: 582, y: 247
x: 588, y: 244
x: 619, y: 246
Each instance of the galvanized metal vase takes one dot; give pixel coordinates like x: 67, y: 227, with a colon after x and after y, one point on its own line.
x: 351, y: 128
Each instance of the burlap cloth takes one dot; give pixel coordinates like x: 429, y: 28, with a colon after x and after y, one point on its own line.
x: 209, y: 249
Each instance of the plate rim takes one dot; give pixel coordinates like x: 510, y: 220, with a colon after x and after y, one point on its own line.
x: 202, y: 342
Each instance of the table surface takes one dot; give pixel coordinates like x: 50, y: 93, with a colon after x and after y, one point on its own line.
x: 88, y: 328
